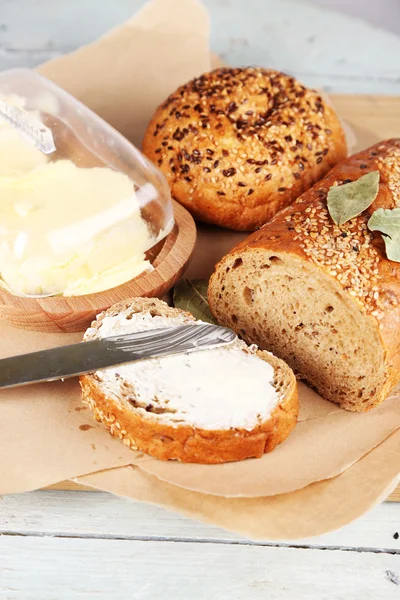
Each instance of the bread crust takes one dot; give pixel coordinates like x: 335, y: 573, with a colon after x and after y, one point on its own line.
x: 301, y: 230
x: 238, y: 145
x: 184, y: 442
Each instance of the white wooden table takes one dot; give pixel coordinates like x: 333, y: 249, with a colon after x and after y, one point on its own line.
x: 63, y: 545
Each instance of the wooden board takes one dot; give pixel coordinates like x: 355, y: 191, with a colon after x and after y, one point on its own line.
x: 71, y: 486
x: 75, y: 313
x: 371, y: 118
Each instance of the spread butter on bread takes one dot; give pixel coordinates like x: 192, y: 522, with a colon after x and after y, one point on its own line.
x: 323, y: 297
x: 211, y: 406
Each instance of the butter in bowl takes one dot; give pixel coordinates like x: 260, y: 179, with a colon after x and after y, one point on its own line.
x: 82, y: 211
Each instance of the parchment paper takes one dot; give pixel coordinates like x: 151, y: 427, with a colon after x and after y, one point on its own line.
x: 123, y: 77
x: 47, y: 434
x: 45, y: 438
x: 128, y: 72
x: 325, y: 442
x: 58, y: 443
x: 314, y: 510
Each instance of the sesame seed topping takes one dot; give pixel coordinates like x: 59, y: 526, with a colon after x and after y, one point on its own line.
x: 229, y: 172
x: 262, y: 117
x: 347, y: 252
x: 391, y: 163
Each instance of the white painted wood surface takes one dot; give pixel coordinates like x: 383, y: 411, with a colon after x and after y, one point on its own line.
x: 341, y: 53
x: 63, y: 545
x: 101, y: 515
x: 58, y: 569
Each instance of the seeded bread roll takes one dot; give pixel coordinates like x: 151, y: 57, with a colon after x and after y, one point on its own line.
x: 238, y: 145
x: 144, y: 404
x: 322, y: 297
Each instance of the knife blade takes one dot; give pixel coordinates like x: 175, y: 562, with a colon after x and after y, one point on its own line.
x: 76, y: 359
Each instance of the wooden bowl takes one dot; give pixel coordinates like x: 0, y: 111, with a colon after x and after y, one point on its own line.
x: 75, y: 313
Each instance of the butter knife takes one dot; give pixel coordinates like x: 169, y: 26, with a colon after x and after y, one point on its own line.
x: 84, y: 357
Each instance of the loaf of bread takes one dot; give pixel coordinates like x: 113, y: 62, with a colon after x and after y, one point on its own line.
x: 211, y: 406
x: 323, y: 297
x: 237, y: 145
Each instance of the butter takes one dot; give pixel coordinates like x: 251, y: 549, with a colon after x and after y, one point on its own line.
x: 17, y: 155
x: 222, y: 388
x: 70, y: 223
x: 64, y: 229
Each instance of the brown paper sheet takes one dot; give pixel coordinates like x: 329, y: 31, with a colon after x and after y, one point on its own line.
x: 123, y: 77
x: 314, y: 510
x: 326, y: 441
x: 47, y: 435
x: 46, y: 438
x: 128, y: 72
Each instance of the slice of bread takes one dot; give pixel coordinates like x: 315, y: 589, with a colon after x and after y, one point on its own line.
x: 212, y: 406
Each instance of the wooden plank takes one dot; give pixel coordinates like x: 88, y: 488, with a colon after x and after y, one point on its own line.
x: 31, y: 32
x: 45, y: 38
x: 61, y: 568
x: 395, y: 495
x: 367, y: 115
x: 69, y: 486
x: 72, y: 486
x: 103, y: 515
x: 344, y: 84
x: 372, y: 117
x: 384, y: 14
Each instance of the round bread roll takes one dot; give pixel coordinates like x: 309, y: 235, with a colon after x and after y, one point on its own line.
x: 238, y: 145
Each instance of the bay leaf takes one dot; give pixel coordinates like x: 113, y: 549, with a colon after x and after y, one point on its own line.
x: 387, y: 221
x: 351, y: 199
x: 192, y: 296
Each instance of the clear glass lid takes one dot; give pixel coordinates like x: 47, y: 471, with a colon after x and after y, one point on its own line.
x: 80, y: 206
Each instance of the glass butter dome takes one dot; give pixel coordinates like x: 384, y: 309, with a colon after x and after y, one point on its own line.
x: 80, y: 207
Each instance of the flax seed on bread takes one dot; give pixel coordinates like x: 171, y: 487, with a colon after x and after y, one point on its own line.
x: 323, y: 297
x: 161, y: 427
x: 239, y: 144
